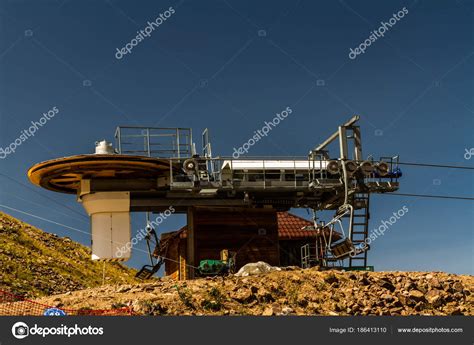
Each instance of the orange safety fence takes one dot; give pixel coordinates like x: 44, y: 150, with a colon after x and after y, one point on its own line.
x: 13, y: 305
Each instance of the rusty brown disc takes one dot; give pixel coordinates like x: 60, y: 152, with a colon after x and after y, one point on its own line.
x: 65, y: 174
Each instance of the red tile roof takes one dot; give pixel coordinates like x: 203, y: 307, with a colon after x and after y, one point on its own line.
x: 290, y: 227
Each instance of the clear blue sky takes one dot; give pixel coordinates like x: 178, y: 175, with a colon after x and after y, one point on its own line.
x: 207, y: 66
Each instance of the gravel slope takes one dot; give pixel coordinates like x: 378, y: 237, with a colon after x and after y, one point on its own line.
x: 288, y: 292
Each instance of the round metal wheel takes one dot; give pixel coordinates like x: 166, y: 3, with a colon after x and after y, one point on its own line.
x: 189, y: 165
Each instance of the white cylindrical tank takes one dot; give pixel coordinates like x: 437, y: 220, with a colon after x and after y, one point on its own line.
x: 103, y: 148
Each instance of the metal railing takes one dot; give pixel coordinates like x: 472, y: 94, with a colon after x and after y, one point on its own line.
x: 264, y: 173
x: 159, y: 142
x: 259, y: 173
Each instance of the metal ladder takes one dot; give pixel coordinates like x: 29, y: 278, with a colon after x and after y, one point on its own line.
x: 360, y: 228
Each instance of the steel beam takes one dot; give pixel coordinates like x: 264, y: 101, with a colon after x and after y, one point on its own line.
x: 342, y: 142
x: 333, y: 137
x: 357, y: 143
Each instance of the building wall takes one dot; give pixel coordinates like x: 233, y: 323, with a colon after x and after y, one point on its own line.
x: 172, y: 257
x: 175, y: 257
x: 252, y: 234
x: 290, y: 252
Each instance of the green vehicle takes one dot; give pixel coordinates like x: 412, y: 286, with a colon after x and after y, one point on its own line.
x: 210, y: 267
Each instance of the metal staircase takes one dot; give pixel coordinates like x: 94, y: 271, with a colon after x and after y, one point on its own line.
x: 360, y: 229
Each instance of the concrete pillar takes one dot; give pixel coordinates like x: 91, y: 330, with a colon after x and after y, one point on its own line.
x: 110, y: 224
x: 191, y: 244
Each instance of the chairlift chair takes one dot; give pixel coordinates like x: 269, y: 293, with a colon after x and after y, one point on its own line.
x: 342, y: 248
x: 147, y: 271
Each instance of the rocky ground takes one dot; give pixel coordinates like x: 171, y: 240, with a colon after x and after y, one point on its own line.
x: 288, y: 292
x: 35, y: 263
